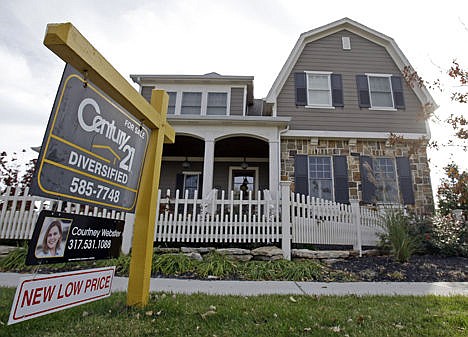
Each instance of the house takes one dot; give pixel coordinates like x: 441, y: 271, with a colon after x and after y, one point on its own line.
x: 339, y: 121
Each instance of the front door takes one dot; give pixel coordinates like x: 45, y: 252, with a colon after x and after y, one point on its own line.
x: 244, y: 181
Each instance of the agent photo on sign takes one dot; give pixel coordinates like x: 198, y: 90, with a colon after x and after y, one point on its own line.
x: 53, y: 237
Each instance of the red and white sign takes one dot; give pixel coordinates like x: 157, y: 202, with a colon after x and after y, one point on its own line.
x: 40, y: 295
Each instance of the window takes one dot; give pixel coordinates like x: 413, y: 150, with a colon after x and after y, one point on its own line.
x: 386, y: 182
x: 191, y: 103
x: 172, y: 102
x: 217, y: 103
x: 320, y: 178
x: 379, y: 91
x: 318, y: 89
x: 190, y: 184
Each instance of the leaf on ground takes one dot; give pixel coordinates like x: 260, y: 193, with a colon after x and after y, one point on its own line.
x: 398, y: 326
x: 212, y: 307
x: 307, y: 329
x: 159, y: 313
x: 292, y: 299
x: 85, y: 313
x: 335, y: 329
x: 208, y: 313
x: 149, y: 313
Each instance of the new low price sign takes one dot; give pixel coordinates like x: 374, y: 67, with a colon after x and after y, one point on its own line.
x: 40, y: 295
x: 93, y: 149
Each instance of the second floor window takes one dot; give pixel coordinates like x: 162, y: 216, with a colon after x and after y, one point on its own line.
x: 172, y: 102
x: 191, y: 103
x: 380, y: 91
x: 318, y: 89
x: 216, y: 103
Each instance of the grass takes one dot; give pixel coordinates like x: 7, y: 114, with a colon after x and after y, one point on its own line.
x: 203, y: 315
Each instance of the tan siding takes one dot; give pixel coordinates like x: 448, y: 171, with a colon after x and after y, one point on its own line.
x: 237, y: 102
x: 364, y: 57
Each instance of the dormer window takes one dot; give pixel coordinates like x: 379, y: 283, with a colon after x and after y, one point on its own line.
x: 316, y: 89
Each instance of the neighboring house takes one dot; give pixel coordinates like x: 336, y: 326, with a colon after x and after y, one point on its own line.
x: 340, y: 122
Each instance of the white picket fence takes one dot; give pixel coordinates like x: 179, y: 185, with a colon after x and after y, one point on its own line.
x: 220, y: 218
x: 19, y: 212
x: 319, y: 221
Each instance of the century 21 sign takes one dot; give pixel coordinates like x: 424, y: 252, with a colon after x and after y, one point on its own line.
x: 93, y: 149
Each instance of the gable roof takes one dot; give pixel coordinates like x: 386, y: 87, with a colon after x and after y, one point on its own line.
x: 355, y: 27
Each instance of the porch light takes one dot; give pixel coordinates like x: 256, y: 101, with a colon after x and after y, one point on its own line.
x: 186, y: 164
x: 244, y: 164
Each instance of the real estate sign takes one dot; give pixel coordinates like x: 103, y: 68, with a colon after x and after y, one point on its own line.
x: 93, y: 149
x: 38, y: 295
x: 63, y: 237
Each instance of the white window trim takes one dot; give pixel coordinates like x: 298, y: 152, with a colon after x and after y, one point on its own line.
x: 332, y: 174
x: 330, y: 100
x: 381, y: 108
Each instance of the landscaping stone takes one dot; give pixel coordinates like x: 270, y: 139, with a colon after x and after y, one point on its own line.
x: 194, y: 256
x: 267, y: 251
x: 319, y: 254
x: 164, y: 250
x: 4, y: 250
x: 233, y: 251
x: 242, y: 258
x: 201, y: 250
x: 371, y: 252
x: 268, y: 258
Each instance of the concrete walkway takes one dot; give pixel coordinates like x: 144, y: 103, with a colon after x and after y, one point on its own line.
x: 252, y: 288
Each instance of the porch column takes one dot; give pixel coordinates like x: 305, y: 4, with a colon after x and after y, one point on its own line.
x: 208, y: 165
x: 274, y: 167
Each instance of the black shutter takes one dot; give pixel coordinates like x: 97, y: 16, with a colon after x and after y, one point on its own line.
x: 397, y: 88
x: 301, y: 174
x: 340, y: 175
x: 301, y: 88
x: 405, y: 180
x: 180, y: 184
x: 337, y: 90
x: 200, y: 186
x: 367, y: 179
x: 363, y: 91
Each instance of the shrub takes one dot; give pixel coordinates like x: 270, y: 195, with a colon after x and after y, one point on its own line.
x: 397, y: 238
x: 449, y: 235
x: 453, y: 190
x: 216, y: 264
x: 172, y: 264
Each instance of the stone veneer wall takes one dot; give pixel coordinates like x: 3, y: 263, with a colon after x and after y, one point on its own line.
x: 415, y: 150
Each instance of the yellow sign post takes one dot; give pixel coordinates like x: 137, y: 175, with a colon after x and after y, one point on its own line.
x: 68, y: 43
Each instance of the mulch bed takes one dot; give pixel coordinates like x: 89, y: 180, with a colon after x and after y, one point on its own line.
x: 420, y: 268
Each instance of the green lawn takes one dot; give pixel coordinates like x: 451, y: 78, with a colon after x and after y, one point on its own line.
x: 203, y: 315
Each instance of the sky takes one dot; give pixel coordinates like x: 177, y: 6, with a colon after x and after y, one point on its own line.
x: 237, y: 37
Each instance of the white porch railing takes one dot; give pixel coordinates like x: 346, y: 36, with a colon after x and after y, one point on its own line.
x: 219, y: 218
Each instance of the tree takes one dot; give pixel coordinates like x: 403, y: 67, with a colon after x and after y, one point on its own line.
x: 453, y: 190
x: 11, y: 172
